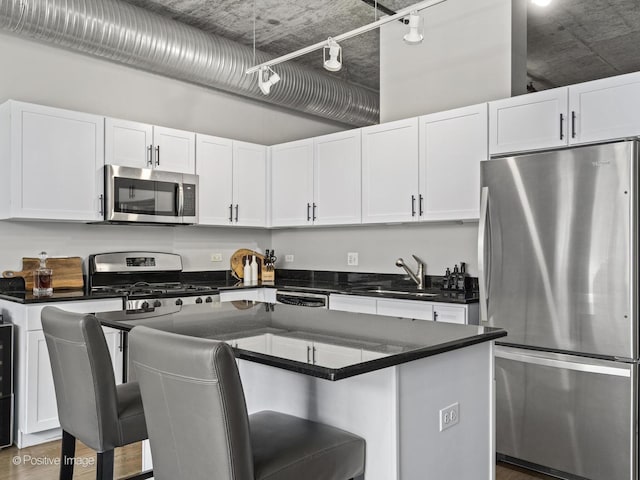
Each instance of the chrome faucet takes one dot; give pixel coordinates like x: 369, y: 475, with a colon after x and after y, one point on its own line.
x: 417, y: 277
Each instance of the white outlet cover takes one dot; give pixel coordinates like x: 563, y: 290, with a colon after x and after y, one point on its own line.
x: 288, y: 258
x: 352, y: 259
x: 216, y: 257
x: 449, y: 416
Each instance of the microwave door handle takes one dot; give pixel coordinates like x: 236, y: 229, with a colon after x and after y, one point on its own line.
x: 180, y: 200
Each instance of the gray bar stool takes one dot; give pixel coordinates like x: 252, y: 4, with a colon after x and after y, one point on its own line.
x: 91, y: 408
x: 199, y: 427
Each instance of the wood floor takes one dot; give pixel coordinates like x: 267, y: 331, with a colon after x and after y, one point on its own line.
x: 35, y: 463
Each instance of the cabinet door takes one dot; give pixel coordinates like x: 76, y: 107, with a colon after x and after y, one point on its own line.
x: 291, y: 348
x: 41, y: 406
x: 352, y: 303
x: 128, y: 144
x: 214, y: 166
x: 450, y: 314
x: 253, y: 344
x: 452, y: 145
x: 249, y: 184
x: 605, y: 109
x: 405, y: 308
x: 390, y: 172
x: 335, y: 356
x: 57, y: 163
x: 529, y: 122
x: 337, y: 173
x: 292, y: 183
x: 114, y: 343
x: 174, y: 150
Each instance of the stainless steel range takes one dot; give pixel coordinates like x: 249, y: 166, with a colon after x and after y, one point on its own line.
x: 146, y: 279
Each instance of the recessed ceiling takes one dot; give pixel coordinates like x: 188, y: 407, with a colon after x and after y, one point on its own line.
x: 569, y: 41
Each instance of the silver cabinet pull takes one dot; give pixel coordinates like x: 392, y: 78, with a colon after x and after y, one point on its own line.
x: 308, y: 354
x: 308, y: 212
x: 236, y: 213
x: 314, y: 355
x: 435, y: 316
x: 314, y: 211
x: 573, y: 124
x: 420, y: 204
x: 561, y: 126
x: 101, y: 205
x: 158, y: 155
x: 150, y: 152
x: 413, y: 205
x: 231, y: 213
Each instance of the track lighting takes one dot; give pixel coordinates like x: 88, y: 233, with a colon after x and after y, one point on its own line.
x: 334, y: 62
x: 414, y: 36
x: 272, y: 79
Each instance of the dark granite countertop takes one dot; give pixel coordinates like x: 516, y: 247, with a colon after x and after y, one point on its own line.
x: 348, y: 283
x: 394, y: 340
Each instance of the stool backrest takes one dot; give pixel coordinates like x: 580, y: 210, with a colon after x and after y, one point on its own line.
x: 194, y: 406
x: 82, y: 376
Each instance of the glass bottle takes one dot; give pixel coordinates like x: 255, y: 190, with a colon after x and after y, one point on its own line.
x: 43, y: 278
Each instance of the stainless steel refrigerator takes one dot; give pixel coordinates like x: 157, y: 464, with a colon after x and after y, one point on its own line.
x: 558, y: 269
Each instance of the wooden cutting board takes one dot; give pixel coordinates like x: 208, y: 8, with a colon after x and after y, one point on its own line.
x: 67, y: 272
x: 237, y: 267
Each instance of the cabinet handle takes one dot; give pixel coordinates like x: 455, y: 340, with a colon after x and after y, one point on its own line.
x: 435, y: 316
x: 158, y: 156
x: 573, y: 124
x: 420, y: 204
x: 314, y: 211
x: 308, y: 354
x: 231, y: 213
x: 308, y: 212
x: 314, y: 355
x: 561, y: 126
x: 236, y: 212
x: 413, y: 205
x: 101, y: 205
x: 121, y: 340
x: 150, y: 160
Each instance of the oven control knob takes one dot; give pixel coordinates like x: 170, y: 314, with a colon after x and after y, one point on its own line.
x: 157, y: 303
x: 208, y: 300
x: 144, y: 305
x: 179, y: 301
x: 198, y: 300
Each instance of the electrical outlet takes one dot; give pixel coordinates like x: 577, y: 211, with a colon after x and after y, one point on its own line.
x: 352, y: 259
x: 449, y: 416
x: 216, y: 257
x: 288, y: 258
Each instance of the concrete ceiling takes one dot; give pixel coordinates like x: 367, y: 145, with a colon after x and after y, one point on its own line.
x: 568, y: 42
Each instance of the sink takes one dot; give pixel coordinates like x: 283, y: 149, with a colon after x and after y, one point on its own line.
x: 397, y: 292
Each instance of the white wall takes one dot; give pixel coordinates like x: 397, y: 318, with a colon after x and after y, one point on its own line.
x: 465, y: 58
x: 37, y: 73
x: 439, y: 245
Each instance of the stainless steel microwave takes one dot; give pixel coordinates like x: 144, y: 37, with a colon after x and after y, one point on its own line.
x: 143, y: 195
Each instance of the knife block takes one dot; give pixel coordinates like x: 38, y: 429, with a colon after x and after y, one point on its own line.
x: 268, y: 273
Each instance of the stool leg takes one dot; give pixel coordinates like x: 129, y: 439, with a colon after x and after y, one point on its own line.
x: 67, y: 454
x: 104, y: 469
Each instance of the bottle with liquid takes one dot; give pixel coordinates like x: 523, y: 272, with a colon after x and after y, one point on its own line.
x: 453, y: 283
x: 247, y: 271
x: 42, y: 277
x: 254, y: 270
x: 461, y: 277
x: 446, y: 282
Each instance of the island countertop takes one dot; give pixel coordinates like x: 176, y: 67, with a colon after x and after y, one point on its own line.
x: 348, y: 343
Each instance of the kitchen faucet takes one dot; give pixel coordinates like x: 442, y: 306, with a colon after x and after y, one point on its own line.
x: 416, y: 277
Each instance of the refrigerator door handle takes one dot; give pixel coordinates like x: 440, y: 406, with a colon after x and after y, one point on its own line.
x: 482, y: 231
x: 507, y: 354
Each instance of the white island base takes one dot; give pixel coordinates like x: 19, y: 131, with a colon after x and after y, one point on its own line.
x: 397, y: 411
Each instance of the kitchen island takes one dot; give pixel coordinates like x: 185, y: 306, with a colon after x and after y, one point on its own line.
x: 421, y: 393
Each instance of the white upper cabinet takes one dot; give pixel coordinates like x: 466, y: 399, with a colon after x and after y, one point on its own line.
x: 605, y: 109
x: 337, y: 179
x: 134, y: 144
x: 529, y: 122
x: 214, y: 167
x: 52, y: 163
x: 390, y: 172
x: 292, y: 184
x: 452, y: 145
x: 249, y: 184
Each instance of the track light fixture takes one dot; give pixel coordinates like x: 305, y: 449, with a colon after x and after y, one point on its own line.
x: 414, y: 36
x: 334, y: 50
x: 271, y: 79
x: 334, y: 62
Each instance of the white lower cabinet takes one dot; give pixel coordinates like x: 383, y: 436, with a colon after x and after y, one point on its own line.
x: 418, y: 309
x: 291, y: 348
x: 247, y: 294
x: 36, y: 415
x: 258, y: 343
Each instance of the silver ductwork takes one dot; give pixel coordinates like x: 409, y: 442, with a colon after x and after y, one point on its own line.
x: 118, y: 31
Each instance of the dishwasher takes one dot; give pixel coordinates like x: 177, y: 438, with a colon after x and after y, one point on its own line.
x: 302, y: 299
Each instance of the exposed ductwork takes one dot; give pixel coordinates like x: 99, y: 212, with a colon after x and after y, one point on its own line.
x: 123, y: 33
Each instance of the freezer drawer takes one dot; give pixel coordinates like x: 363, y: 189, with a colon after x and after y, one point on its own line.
x: 566, y: 413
